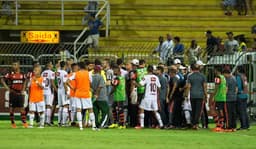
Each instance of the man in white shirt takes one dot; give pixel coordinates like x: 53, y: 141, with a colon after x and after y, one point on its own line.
x: 231, y: 45
x: 167, y: 48
x: 63, y: 102
x: 48, y: 78
x: 149, y: 102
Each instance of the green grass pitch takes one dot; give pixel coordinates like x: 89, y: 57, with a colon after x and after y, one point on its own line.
x: 62, y: 138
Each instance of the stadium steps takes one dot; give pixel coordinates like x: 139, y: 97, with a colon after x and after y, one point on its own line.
x: 144, y: 20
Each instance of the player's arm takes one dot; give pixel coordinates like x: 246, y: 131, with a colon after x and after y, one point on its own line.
x: 168, y: 92
x: 115, y: 82
x: 188, y: 87
x: 39, y: 84
x: 172, y: 91
x: 24, y: 84
x: 4, y: 84
x: 217, y: 83
x: 205, y: 91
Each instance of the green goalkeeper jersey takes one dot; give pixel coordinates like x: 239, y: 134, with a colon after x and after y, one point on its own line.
x: 141, y: 72
x: 119, y: 93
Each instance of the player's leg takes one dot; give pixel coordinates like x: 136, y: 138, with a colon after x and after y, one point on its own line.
x: 60, y: 104
x: 65, y: 115
x: 154, y: 106
x: 11, y: 109
x: 121, y: 115
x: 171, y: 104
x: 72, y: 111
x: 32, y: 109
x: 48, y: 103
x: 78, y: 105
x: 65, y: 103
x: 87, y: 104
x: 142, y: 116
x: 114, y: 115
x: 41, y: 109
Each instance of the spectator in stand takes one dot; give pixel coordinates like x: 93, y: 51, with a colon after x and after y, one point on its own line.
x: 94, y: 26
x: 193, y: 52
x: 64, y: 54
x: 249, y: 6
x: 230, y: 45
x: 167, y: 48
x: 178, y: 49
x: 159, y: 48
x: 241, y: 7
x: 228, y: 6
x: 211, y: 44
x: 90, y: 9
x: 7, y: 11
x: 242, y: 43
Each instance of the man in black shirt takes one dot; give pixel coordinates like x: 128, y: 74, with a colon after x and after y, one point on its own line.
x: 211, y: 43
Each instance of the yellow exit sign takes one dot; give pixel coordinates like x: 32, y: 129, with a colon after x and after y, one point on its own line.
x: 40, y: 37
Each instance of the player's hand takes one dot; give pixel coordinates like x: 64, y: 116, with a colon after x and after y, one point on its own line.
x: 167, y: 100
x: 23, y: 93
x: 96, y: 97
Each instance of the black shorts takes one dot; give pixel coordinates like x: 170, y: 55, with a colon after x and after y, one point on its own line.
x: 16, y: 100
x: 119, y: 105
x: 220, y: 106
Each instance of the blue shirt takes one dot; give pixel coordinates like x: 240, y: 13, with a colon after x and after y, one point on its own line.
x: 178, y: 48
x: 239, y: 82
x: 94, y: 26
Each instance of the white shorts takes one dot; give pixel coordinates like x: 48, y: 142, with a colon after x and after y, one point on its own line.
x: 83, y: 103
x: 149, y: 104
x: 37, y: 106
x: 187, y: 105
x: 48, y: 99
x: 62, y: 98
x: 72, y: 103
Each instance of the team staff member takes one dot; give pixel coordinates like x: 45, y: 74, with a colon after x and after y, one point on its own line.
x: 197, y: 90
x: 219, y: 97
x: 16, y: 89
x: 231, y: 100
x: 36, y: 97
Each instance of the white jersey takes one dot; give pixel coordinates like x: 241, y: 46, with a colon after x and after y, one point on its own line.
x: 62, y: 77
x: 48, y: 75
x: 152, y: 84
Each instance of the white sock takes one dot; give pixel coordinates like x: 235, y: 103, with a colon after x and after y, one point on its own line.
x: 31, y: 119
x: 64, y: 115
x: 142, y: 119
x: 158, y: 117
x: 42, y: 118
x: 60, y: 114
x: 92, y: 119
x: 187, y: 116
x: 79, y: 119
x: 48, y: 115
x: 72, y: 114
